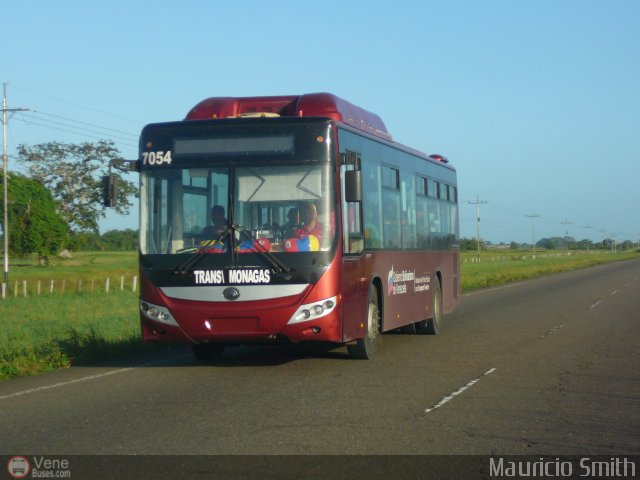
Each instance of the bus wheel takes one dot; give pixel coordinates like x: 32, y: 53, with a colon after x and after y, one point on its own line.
x: 432, y: 325
x: 207, y: 352
x: 365, y: 348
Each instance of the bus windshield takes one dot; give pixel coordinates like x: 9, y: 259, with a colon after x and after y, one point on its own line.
x: 255, y: 207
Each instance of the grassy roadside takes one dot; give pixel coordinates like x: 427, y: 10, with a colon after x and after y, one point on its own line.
x: 84, y: 272
x: 46, y: 332
x: 490, y: 274
x: 85, y: 265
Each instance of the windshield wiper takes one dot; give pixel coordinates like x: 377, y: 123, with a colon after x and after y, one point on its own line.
x: 202, y: 251
x: 278, y: 265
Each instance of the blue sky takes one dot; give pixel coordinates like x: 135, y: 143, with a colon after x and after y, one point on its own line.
x: 536, y: 103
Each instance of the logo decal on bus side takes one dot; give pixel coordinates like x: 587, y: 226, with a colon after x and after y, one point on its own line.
x: 397, y: 281
x: 421, y: 283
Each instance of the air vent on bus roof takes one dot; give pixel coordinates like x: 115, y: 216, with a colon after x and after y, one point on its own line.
x: 307, y: 105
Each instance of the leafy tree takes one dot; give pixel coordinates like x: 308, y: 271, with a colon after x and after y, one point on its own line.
x: 585, y: 244
x: 626, y: 245
x: 85, y: 241
x: 470, y: 244
x: 34, y: 224
x: 120, y: 240
x: 72, y: 172
x: 113, y: 240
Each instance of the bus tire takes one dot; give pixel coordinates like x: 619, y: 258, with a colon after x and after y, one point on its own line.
x: 431, y: 326
x: 206, y: 352
x: 365, y: 348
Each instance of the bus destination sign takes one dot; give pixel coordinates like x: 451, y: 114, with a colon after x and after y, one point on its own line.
x: 233, y: 276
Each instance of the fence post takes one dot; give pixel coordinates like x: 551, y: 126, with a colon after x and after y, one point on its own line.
x: 24, y: 288
x: 122, y: 283
x: 106, y: 286
x: 134, y: 283
x: 39, y: 287
x: 51, y: 287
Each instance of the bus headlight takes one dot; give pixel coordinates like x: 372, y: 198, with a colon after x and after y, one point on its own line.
x: 313, y: 311
x: 157, y: 313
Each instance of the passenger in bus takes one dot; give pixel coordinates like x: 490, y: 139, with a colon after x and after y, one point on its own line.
x: 292, y: 223
x: 293, y: 217
x: 219, y: 223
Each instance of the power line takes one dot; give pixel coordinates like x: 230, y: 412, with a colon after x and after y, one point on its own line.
x: 79, y: 131
x: 540, y: 219
x: 69, y: 102
x: 132, y: 135
x: 502, y: 227
x: 504, y: 210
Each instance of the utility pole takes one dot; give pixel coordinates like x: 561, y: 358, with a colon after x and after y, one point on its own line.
x: 603, y: 233
x: 5, y: 189
x: 588, y: 227
x: 533, y: 217
x: 613, y: 242
x: 477, y: 203
x: 566, y: 223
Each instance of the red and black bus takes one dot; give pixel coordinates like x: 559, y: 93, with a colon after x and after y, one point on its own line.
x: 291, y: 218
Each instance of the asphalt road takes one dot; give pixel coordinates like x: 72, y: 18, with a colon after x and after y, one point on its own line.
x: 546, y: 367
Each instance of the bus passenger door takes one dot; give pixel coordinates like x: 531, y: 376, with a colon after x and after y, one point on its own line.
x: 354, y: 282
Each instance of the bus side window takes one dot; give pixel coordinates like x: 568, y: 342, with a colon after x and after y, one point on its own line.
x: 391, y: 227
x: 353, y: 240
x: 372, y: 215
x: 356, y: 240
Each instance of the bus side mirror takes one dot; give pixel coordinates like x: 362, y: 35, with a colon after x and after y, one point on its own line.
x: 110, y: 191
x: 353, y: 186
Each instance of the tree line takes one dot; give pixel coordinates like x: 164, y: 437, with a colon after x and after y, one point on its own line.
x: 553, y: 243
x: 58, y: 204
x: 111, y: 241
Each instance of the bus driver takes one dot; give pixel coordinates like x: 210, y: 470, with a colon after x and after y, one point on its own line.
x: 310, y: 224
x: 219, y: 223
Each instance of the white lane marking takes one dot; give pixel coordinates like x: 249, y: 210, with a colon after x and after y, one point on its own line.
x: 555, y: 329
x: 614, y: 292
x: 451, y: 396
x: 62, y: 384
x: 595, y: 304
x: 84, y: 379
x: 492, y: 289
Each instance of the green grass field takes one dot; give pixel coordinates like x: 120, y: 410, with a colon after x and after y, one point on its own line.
x: 516, y: 266
x: 53, y: 331
x: 84, y: 272
x: 49, y: 331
